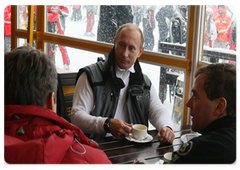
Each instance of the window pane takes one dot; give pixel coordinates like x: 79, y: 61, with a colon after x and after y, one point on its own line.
x: 21, y: 42
x: 71, y: 59
x: 164, y: 27
x: 22, y: 17
x: 220, y: 34
x: 169, y: 84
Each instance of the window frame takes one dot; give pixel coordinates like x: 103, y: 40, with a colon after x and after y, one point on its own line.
x: 189, y: 64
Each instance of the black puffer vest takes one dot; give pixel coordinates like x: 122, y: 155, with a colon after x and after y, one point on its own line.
x: 106, y: 88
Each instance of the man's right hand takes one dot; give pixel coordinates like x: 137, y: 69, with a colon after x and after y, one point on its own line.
x: 119, y: 128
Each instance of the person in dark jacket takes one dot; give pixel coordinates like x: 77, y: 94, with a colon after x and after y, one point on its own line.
x: 76, y: 14
x: 148, y: 27
x: 164, y: 15
x: 33, y: 132
x: 213, y: 111
x: 111, y: 18
x: 111, y: 95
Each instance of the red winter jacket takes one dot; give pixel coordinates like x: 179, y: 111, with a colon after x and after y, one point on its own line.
x: 7, y: 20
x: 63, y: 10
x: 52, y: 14
x: 222, y: 22
x: 34, y: 134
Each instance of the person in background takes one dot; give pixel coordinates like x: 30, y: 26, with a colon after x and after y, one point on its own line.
x: 231, y: 35
x: 148, y: 27
x: 213, y: 111
x: 138, y: 12
x: 111, y: 95
x: 222, y: 22
x: 77, y: 13
x: 163, y: 18
x: 63, y: 14
x: 179, y: 26
x: 7, y: 29
x: 210, y: 33
x: 33, y: 132
x: 107, y: 28
x: 215, y: 10
x: 234, y: 33
x: 90, y: 20
x: 56, y: 26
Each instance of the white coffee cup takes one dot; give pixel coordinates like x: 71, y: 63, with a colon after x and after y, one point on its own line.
x: 167, y: 157
x: 139, y: 131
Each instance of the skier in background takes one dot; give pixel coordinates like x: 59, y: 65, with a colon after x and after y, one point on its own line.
x: 234, y: 33
x: 179, y: 25
x: 111, y: 17
x: 63, y: 14
x: 76, y: 14
x: 164, y: 17
x: 210, y: 33
x: 90, y: 20
x: 138, y: 12
x: 222, y: 21
x: 148, y: 27
x: 55, y: 26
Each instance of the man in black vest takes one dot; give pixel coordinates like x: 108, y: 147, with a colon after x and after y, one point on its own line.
x: 112, y: 95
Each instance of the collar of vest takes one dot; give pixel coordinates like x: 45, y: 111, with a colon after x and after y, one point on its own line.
x: 135, y: 78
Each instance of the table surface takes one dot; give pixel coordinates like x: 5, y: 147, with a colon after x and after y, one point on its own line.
x: 123, y: 151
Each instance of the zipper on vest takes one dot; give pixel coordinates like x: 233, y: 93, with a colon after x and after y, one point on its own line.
x: 114, y: 99
x: 111, y: 96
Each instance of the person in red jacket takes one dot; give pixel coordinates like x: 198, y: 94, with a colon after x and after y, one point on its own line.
x: 63, y: 13
x: 57, y: 25
x: 148, y: 27
x: 222, y: 21
x: 90, y: 20
x: 7, y: 29
x: 33, y: 132
x: 76, y: 14
x: 210, y: 32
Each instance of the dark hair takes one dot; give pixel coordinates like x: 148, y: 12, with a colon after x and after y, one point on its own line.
x: 221, y: 82
x: 30, y: 76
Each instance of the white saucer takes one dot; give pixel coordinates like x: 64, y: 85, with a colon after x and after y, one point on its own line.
x: 148, y: 138
x: 187, y: 137
x: 160, y: 162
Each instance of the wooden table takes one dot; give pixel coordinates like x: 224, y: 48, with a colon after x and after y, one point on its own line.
x: 122, y: 151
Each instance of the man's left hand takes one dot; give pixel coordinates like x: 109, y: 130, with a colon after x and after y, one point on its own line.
x: 166, y: 135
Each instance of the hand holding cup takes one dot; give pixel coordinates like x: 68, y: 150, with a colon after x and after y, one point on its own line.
x: 139, y: 131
